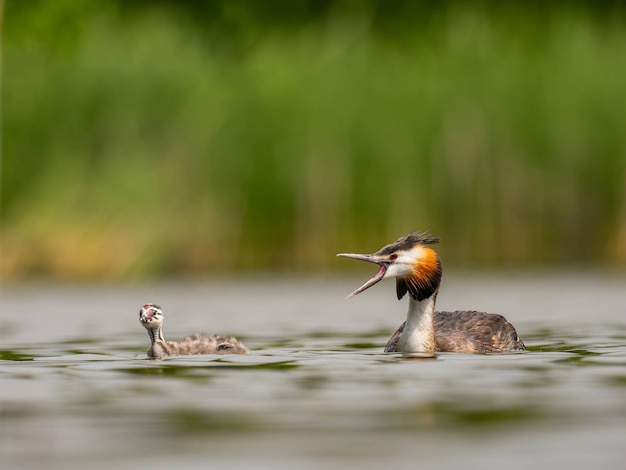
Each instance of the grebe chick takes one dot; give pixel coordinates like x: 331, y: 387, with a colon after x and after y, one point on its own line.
x: 417, y: 269
x: 151, y: 317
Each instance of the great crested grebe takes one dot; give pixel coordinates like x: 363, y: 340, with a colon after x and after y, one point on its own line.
x: 417, y: 269
x: 151, y: 317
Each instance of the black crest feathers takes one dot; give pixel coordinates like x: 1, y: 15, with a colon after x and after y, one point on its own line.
x: 408, y: 241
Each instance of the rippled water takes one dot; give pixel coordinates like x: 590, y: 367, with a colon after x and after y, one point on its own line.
x: 76, y: 389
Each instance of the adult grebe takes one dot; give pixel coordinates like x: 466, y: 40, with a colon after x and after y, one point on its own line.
x: 151, y: 317
x: 417, y: 269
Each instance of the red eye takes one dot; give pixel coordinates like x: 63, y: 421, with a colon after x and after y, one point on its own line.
x: 393, y: 257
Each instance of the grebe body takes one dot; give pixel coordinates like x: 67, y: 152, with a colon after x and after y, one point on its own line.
x: 468, y: 331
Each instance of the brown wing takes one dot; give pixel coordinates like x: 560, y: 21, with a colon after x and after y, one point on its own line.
x: 210, y: 344
x: 469, y: 332
x: 475, y: 332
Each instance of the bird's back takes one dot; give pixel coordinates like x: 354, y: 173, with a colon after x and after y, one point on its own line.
x: 469, y: 332
x: 198, y: 344
x: 210, y: 344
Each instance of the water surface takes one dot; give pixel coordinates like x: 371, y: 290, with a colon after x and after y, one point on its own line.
x: 77, y: 391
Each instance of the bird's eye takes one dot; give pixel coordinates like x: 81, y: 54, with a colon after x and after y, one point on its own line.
x: 393, y: 257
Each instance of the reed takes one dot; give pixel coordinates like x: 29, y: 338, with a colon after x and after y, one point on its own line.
x: 143, y: 146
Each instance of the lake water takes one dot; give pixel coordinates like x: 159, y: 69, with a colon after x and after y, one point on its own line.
x: 77, y: 391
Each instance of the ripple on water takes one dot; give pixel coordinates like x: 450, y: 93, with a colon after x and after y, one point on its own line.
x: 303, y: 390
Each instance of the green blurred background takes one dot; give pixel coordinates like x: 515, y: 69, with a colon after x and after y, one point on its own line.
x: 163, y: 138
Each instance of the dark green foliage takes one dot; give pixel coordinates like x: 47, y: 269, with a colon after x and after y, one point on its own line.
x: 166, y: 137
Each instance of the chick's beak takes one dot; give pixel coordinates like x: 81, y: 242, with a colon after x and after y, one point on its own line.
x: 146, y: 316
x: 383, y: 263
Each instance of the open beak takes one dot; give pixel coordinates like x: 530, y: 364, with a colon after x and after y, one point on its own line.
x: 146, y: 316
x: 383, y: 263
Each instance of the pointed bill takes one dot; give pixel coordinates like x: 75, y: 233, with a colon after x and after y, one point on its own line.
x: 371, y: 259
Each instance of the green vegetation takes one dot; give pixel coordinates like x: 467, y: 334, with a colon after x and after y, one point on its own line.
x: 156, y: 138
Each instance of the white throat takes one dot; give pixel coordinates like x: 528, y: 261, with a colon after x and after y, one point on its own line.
x: 419, y: 330
x: 156, y: 333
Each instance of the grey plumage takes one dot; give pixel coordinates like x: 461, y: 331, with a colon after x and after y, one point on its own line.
x: 469, y: 331
x: 197, y: 344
